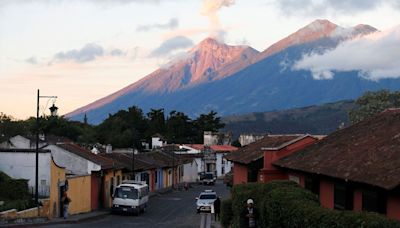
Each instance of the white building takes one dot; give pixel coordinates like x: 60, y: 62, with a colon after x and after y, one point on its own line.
x: 21, y: 164
x: 157, y: 141
x: 211, y: 158
x: 246, y: 139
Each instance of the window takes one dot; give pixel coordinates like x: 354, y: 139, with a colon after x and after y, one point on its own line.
x: 126, y: 193
x: 118, y: 180
x: 295, y: 179
x: 374, y: 201
x: 311, y: 183
x: 156, y: 177
x: 343, y: 197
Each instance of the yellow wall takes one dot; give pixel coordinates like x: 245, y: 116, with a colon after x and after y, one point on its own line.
x: 79, y: 192
x: 108, y: 175
x: 57, y: 176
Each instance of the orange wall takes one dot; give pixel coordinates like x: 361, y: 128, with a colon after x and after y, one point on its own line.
x: 239, y: 173
x: 393, y: 207
x: 326, y: 193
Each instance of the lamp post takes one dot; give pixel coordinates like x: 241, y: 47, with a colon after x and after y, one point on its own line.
x: 173, y: 167
x: 53, y: 110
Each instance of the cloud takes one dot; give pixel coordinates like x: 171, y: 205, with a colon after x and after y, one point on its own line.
x: 210, y: 9
x: 375, y: 56
x: 323, y: 7
x: 171, y: 24
x: 171, y: 45
x: 32, y: 60
x: 87, y: 53
x: 117, y: 52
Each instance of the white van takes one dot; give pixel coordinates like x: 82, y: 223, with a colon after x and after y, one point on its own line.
x: 131, y: 196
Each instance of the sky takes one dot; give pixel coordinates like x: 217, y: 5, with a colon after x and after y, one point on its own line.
x: 83, y: 50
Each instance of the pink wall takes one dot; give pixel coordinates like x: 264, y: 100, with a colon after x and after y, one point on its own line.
x: 393, y: 207
x: 326, y: 194
x: 357, y: 202
x: 239, y: 174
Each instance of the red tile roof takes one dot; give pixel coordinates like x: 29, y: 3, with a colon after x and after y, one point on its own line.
x: 366, y: 152
x: 223, y: 148
x: 216, y: 148
x: 254, y: 151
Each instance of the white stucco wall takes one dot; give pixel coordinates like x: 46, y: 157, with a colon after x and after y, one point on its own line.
x: 23, y: 165
x: 227, y: 165
x: 72, y: 162
x: 190, y: 172
x: 156, y: 142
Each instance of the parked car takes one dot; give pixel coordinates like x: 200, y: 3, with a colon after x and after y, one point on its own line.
x: 228, y: 179
x: 208, y: 178
x: 131, y: 197
x: 205, y: 201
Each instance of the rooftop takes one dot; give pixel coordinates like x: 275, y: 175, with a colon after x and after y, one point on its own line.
x: 366, y: 152
x: 255, y: 150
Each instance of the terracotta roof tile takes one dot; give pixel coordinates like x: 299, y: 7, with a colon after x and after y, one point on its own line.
x: 366, y: 152
x: 254, y: 151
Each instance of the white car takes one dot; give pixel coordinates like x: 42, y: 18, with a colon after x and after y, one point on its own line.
x: 205, y: 201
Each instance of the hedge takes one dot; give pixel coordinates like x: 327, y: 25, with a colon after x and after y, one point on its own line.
x: 226, y: 212
x: 286, y: 204
x: 13, y: 189
x: 20, y: 205
x: 14, y: 193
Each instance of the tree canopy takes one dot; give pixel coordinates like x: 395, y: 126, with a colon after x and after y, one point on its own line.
x: 372, y: 103
x: 126, y: 128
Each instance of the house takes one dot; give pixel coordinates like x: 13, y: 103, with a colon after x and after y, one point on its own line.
x: 20, y: 164
x: 246, y: 139
x: 212, y: 159
x: 105, y: 174
x: 144, y: 168
x: 215, y: 138
x: 355, y: 168
x: 53, y: 181
x: 252, y: 163
x: 158, y: 141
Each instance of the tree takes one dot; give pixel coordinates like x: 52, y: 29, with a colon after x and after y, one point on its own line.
x: 179, y: 128
x: 207, y: 122
x: 372, y: 103
x: 10, y: 127
x: 125, y: 128
x: 156, y: 121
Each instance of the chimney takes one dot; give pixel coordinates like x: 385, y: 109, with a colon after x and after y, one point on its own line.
x: 108, y: 149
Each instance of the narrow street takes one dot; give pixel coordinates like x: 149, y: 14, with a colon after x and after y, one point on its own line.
x: 175, y: 209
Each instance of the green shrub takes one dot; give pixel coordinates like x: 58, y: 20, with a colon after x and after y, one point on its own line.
x: 226, y: 212
x: 286, y: 204
x: 20, y: 204
x: 13, y: 189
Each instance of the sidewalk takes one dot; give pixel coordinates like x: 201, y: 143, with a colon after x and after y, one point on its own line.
x: 71, y: 219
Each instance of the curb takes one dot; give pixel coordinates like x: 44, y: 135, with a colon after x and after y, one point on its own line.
x: 60, y: 221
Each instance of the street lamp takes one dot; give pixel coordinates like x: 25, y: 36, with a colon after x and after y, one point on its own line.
x: 53, y: 110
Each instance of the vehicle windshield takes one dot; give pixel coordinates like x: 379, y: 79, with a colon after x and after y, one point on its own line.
x: 126, y: 193
x: 208, y: 176
x: 208, y: 196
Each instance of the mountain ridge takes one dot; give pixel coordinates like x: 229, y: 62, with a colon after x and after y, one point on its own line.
x: 214, y: 74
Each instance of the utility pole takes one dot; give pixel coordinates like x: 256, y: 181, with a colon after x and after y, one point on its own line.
x: 53, y: 110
